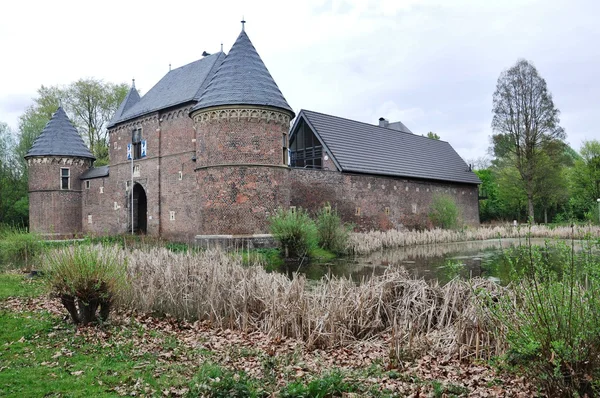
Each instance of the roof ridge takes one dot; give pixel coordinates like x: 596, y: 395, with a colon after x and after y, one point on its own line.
x: 369, y: 124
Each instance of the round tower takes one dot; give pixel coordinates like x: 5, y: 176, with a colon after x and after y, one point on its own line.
x: 242, y: 122
x: 56, y: 160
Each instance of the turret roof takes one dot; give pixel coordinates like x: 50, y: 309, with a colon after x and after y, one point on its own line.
x: 242, y: 79
x: 59, y: 138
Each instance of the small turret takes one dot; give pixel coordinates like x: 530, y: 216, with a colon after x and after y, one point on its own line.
x: 55, y: 162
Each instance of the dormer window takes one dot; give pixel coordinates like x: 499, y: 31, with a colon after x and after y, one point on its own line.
x: 65, y: 178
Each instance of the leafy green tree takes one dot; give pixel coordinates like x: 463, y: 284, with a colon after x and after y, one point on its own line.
x: 90, y: 104
x: 526, y: 123
x: 490, y: 207
x: 433, y: 135
x: 585, y: 180
x: 13, y: 191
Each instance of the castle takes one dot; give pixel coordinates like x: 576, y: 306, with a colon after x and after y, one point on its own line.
x: 208, y: 153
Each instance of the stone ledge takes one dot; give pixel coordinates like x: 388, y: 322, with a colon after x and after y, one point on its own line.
x: 235, y: 242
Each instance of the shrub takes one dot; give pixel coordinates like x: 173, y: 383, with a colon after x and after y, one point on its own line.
x: 332, y: 232
x: 552, y: 327
x: 444, y: 212
x: 295, y: 232
x: 331, y: 384
x: 18, y: 248
x: 87, y: 279
x: 216, y: 382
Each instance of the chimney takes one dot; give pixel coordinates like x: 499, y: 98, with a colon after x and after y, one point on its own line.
x: 383, y: 122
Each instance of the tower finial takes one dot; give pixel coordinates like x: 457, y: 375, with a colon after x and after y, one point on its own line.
x: 133, y: 83
x: 243, y: 23
x: 221, y: 46
x: 169, y: 67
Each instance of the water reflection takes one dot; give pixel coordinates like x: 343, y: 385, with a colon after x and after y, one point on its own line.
x: 440, y: 261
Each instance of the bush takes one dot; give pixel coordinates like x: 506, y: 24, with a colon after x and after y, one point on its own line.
x: 330, y: 384
x: 87, y: 279
x: 332, y: 232
x: 295, y: 232
x: 444, y: 212
x: 18, y: 248
x: 552, y: 327
x: 216, y: 382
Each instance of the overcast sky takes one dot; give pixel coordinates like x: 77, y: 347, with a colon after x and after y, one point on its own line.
x: 431, y: 64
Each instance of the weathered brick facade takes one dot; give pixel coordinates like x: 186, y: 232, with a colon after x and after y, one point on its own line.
x: 377, y: 202
x: 54, y: 211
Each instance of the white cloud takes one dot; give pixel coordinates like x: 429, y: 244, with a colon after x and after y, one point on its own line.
x: 431, y: 63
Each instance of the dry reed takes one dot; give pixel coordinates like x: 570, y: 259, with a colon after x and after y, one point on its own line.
x: 214, y: 286
x: 363, y: 243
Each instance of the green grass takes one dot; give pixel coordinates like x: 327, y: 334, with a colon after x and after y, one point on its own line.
x: 17, y: 285
x: 43, y: 356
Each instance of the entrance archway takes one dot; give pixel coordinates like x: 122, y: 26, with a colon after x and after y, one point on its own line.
x: 140, y: 209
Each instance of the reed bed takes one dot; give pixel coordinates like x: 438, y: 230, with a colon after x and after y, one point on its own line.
x: 363, y: 243
x: 215, y: 287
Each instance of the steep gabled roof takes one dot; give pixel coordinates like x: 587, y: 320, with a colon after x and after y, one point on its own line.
x: 132, y: 98
x: 364, y: 148
x: 178, y: 86
x: 242, y: 79
x: 59, y: 138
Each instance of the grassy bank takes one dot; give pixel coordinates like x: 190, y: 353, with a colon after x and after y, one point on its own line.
x: 137, y: 354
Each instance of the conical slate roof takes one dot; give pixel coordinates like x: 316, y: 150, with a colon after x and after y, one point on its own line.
x: 242, y: 79
x: 59, y: 138
x: 132, y: 98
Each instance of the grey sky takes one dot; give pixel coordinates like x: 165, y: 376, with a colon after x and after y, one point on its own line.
x: 431, y: 64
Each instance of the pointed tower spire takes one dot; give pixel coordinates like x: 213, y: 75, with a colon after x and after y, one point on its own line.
x: 59, y: 138
x: 242, y: 79
x: 132, y: 98
x: 243, y: 24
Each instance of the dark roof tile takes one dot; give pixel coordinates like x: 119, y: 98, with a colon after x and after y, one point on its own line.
x: 180, y: 85
x: 365, y: 148
x: 95, y: 172
x: 242, y: 79
x: 59, y: 138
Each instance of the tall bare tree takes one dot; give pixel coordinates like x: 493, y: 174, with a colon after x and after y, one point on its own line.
x: 526, y: 124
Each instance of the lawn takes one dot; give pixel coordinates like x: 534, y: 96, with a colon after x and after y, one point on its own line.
x: 44, y: 355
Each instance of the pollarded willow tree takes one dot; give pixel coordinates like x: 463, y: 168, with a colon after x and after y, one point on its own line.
x: 526, y: 125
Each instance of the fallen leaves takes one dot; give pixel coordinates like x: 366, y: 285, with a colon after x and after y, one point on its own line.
x: 277, y: 360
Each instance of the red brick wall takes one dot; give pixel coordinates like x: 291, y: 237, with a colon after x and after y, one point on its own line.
x: 408, y: 201
x: 52, y: 210
x: 239, y: 199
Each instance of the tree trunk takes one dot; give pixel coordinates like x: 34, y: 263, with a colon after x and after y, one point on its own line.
x: 545, y: 216
x: 530, y: 206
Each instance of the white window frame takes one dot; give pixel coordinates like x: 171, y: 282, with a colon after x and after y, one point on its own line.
x: 87, y: 184
x: 171, y: 216
x: 68, y: 177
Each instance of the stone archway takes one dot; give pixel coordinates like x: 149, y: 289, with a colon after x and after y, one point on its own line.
x: 140, y: 209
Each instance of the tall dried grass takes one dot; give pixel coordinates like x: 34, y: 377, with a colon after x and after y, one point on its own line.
x: 363, y: 243
x: 214, y: 286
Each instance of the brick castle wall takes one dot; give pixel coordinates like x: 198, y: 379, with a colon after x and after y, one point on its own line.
x: 52, y: 210
x: 380, y: 203
x: 241, y: 172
